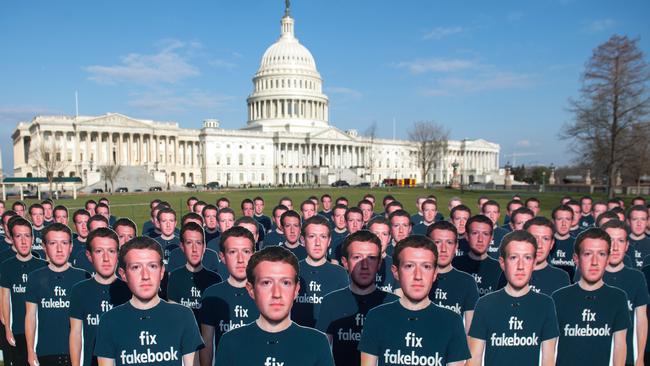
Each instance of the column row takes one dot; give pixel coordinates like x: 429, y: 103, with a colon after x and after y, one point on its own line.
x: 287, y: 108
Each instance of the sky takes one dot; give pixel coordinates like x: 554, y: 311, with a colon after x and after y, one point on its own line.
x: 502, y: 71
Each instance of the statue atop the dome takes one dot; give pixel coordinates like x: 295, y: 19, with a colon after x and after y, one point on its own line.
x: 287, y: 8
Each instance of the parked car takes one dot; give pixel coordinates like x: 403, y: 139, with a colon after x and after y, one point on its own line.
x: 155, y: 189
x: 212, y: 185
x: 97, y: 190
x: 340, y: 183
x: 190, y: 185
x: 122, y: 190
x: 363, y: 184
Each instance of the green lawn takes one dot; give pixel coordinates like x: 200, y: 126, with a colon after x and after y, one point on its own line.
x: 136, y: 205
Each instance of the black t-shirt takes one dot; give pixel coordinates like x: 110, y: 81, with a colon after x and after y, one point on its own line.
x: 431, y: 336
x: 384, y: 279
x: 14, y: 275
x: 158, y: 336
x: 186, y: 288
x: 633, y: 283
x: 168, y: 245
x: 210, y: 260
x: 315, y: 283
x: 294, y: 346
x: 273, y: 238
x: 51, y: 292
x: 486, y: 272
x: 587, y: 322
x: 638, y: 250
x: 561, y: 255
x: 454, y: 290
x: 265, y: 221
x: 514, y: 328
x: 226, y: 307
x: 91, y: 299
x: 342, y: 315
x: 300, y: 252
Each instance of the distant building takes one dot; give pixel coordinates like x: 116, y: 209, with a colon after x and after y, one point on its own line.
x: 287, y: 139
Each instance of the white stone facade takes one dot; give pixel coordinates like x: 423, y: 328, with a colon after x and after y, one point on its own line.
x: 287, y: 139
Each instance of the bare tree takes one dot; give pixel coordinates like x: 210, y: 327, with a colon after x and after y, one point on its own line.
x: 371, y: 134
x: 110, y: 173
x: 611, y: 109
x: 431, y: 140
x: 49, y: 160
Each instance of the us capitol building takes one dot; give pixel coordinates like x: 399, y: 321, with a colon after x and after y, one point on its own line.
x: 287, y: 139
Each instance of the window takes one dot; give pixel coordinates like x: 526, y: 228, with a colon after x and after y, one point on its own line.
x: 241, y: 177
x: 228, y: 160
x: 241, y: 159
x: 262, y: 160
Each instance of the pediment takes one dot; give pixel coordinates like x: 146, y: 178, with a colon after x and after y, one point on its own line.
x: 116, y: 120
x: 332, y: 133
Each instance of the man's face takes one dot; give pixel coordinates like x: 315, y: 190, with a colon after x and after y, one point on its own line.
x: 167, y: 223
x: 481, y: 202
x: 638, y: 222
x: 619, y: 246
x: 518, y: 264
x: 190, y: 205
x: 327, y: 203
x: 354, y: 222
x: 339, y: 218
x: 37, y: 217
x: 576, y: 215
x: 366, y: 210
x: 598, y: 210
x: 81, y: 225
x: 247, y: 209
x: 513, y: 207
x: 400, y: 227
x: 237, y: 252
x: 20, y: 210
x: 459, y: 220
x: 317, y: 240
x: 47, y: 211
x: 342, y: 202
x: 291, y: 229
x: 103, y: 211
x: 446, y: 244
x: 143, y: 273
x: 5, y: 220
x: 308, y: 210
x: 611, y: 205
x: 61, y: 216
x: 198, y: 208
x: 287, y: 203
x: 223, y: 204
x: 103, y: 256
x: 226, y: 220
x: 124, y: 234
x: 383, y: 233
x: 545, y: 241
x: 2, y: 208
x: 492, y: 212
x: 480, y: 235
x: 210, y: 219
x: 563, y: 220
x: 58, y: 247
x: 362, y: 263
x: 533, y: 206
x: 520, y: 220
x: 416, y: 273
x: 274, y: 290
x: 193, y: 246
x: 454, y: 203
x: 592, y: 260
x: 252, y: 228
x: 22, y: 239
x: 277, y: 216
x: 96, y: 224
x: 585, y: 206
x: 90, y: 207
x: 259, y: 207
x: 429, y: 212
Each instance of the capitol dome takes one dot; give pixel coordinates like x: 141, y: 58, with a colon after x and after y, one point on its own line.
x: 287, y: 94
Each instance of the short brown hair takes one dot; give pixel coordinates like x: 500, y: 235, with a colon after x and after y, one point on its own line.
x: 271, y: 254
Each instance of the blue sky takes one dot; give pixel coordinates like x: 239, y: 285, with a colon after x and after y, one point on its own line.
x: 501, y: 71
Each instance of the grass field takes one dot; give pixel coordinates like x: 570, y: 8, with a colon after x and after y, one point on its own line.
x: 136, y: 205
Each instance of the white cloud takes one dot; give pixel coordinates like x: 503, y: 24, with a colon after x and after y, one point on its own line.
x: 442, y: 32
x: 523, y: 143
x: 169, y: 65
x: 486, y: 81
x: 166, y: 101
x: 9, y: 115
x: 420, y: 66
x: 343, y: 91
x: 599, y: 25
x: 222, y: 63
